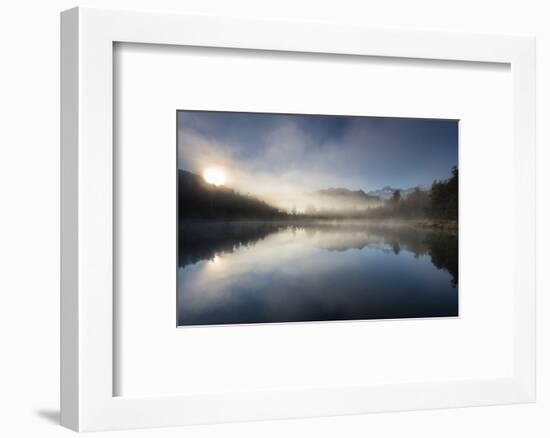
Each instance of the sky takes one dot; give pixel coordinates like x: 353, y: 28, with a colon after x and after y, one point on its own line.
x: 261, y: 153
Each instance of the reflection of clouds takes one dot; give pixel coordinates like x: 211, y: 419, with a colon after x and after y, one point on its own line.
x: 346, y: 239
x: 294, y: 274
x: 283, y: 254
x: 278, y: 252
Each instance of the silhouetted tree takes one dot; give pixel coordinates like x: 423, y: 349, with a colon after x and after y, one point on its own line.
x: 311, y: 210
x: 199, y: 200
x: 396, y: 197
x: 444, y: 198
x: 440, y: 202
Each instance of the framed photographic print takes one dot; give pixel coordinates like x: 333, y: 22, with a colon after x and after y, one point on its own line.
x: 270, y: 219
x: 282, y: 226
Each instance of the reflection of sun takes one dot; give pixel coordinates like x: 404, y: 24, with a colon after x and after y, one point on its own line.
x: 214, y: 176
x: 216, y: 264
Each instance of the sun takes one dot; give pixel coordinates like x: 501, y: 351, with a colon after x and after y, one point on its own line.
x: 214, y: 176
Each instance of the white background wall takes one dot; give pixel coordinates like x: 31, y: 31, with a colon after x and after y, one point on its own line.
x: 29, y: 212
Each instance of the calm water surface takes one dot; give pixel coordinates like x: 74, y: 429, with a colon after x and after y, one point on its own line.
x: 250, y: 272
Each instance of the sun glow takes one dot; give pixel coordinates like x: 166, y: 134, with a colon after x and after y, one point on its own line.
x: 214, y: 176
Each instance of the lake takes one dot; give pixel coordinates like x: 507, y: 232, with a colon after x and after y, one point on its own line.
x: 266, y: 272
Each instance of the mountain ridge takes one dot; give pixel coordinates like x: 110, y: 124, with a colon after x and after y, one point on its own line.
x: 387, y: 192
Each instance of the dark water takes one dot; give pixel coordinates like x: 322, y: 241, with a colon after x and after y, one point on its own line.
x: 247, y: 272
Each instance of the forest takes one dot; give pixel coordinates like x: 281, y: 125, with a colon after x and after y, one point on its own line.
x: 439, y: 204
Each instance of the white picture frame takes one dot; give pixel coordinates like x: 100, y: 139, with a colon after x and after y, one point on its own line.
x: 87, y: 317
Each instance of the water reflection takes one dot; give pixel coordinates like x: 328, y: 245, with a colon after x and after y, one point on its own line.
x: 255, y: 272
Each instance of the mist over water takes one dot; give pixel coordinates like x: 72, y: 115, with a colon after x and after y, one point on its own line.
x: 259, y: 272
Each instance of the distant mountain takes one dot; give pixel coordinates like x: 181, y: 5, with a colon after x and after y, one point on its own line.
x: 199, y: 200
x: 342, y: 199
x: 336, y: 200
x: 340, y: 192
x: 387, y: 191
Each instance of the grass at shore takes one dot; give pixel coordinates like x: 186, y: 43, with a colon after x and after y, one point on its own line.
x: 444, y: 225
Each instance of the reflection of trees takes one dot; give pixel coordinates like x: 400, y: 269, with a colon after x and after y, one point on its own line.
x: 396, y: 248
x: 443, y: 249
x: 203, y: 240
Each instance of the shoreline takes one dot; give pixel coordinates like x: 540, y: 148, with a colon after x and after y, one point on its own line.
x: 444, y: 225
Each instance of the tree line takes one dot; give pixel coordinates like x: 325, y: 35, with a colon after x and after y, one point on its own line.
x: 438, y: 203
x: 198, y: 200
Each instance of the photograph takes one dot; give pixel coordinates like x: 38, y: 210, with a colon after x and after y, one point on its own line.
x: 299, y: 218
